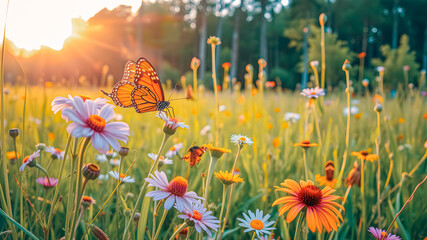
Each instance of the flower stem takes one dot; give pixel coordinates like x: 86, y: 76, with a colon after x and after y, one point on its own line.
x: 235, y: 160
x: 253, y: 235
x: 226, y: 213
x: 298, y: 229
x: 377, y: 144
x: 362, y: 190
x: 165, y: 212
x: 211, y: 169
x: 178, y: 231
x: 305, y: 163
x: 216, y: 94
x: 224, y: 195
x: 316, y: 120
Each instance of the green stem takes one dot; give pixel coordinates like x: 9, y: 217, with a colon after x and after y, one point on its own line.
x: 298, y: 229
x: 178, y: 231
x: 216, y: 94
x: 226, y: 213
x: 377, y: 144
x: 165, y: 212
x: 253, y: 236
x: 362, y: 190
x: 211, y: 169
x: 305, y: 163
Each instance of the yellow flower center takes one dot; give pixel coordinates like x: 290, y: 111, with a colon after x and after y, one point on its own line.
x: 197, y: 215
x: 242, y: 139
x: 93, y: 167
x: 178, y: 186
x: 96, y: 123
x: 122, y: 175
x: 58, y: 150
x: 172, y: 148
x: 257, y: 224
x: 313, y: 93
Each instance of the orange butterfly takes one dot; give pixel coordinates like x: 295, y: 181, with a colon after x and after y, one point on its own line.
x: 140, y: 88
x: 194, y: 155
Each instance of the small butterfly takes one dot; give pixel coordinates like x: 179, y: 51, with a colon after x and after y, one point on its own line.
x: 194, y: 155
x: 140, y: 88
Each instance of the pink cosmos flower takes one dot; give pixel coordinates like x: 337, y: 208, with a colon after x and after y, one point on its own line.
x: 89, y: 121
x: 29, y: 160
x: 313, y: 92
x: 47, y: 183
x: 55, y: 152
x: 201, y: 218
x: 379, y: 234
x: 175, y: 191
x: 60, y: 103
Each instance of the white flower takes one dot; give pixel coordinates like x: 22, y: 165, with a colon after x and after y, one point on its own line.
x: 171, y: 123
x: 55, y: 152
x: 353, y: 110
x: 114, y: 162
x: 103, y: 176
x: 256, y: 222
x: 122, y: 177
x: 174, y: 150
x: 29, y: 160
x: 60, y: 103
x: 201, y: 218
x: 205, y: 130
x: 118, y: 117
x: 292, y: 117
x: 239, y: 139
x: 221, y: 108
x: 313, y: 92
x: 35, y: 120
x: 163, y: 160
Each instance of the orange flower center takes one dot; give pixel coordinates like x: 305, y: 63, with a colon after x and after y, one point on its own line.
x: 96, y: 123
x: 87, y: 199
x: 310, y: 195
x: 122, y: 175
x: 313, y: 93
x: 25, y: 159
x: 58, y: 150
x: 242, y: 139
x: 178, y: 186
x: 84, y: 97
x: 364, y: 153
x: 257, y: 224
x: 383, y: 234
x: 305, y: 142
x: 161, y: 158
x: 197, y: 215
x: 172, y: 148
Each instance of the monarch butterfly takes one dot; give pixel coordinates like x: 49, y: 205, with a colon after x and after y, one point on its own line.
x: 194, y: 155
x: 140, y: 88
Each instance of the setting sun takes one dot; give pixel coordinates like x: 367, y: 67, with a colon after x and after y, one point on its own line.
x: 32, y: 24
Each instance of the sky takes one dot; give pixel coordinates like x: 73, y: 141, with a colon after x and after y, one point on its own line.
x: 33, y: 23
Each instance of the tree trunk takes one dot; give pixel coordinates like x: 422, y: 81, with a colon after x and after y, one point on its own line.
x: 263, y: 33
x: 218, y: 48
x: 202, y: 41
x: 235, y: 45
x: 395, y: 25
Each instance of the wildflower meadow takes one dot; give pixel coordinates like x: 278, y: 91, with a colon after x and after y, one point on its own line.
x: 139, y: 158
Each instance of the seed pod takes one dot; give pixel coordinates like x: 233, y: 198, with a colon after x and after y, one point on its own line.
x: 98, y: 233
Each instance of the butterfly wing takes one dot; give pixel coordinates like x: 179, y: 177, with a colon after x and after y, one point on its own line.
x: 121, y: 93
x: 145, y: 75
x: 129, y: 72
x: 143, y: 99
x: 194, y: 155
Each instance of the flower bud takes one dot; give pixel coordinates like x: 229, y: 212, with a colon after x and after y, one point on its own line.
x: 322, y: 19
x: 91, y: 171
x: 13, y: 132
x: 136, y: 216
x: 127, y: 212
x: 40, y: 146
x: 346, y: 66
x: 124, y: 151
x: 98, y: 233
x: 195, y: 63
x: 378, y: 108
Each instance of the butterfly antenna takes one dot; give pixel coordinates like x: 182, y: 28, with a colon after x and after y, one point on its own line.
x: 173, y: 90
x: 107, y: 94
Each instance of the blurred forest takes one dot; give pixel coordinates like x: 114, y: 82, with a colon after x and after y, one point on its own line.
x: 392, y: 33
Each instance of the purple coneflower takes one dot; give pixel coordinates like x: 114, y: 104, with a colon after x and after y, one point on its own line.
x: 380, y: 234
x: 201, y: 218
x: 47, y: 183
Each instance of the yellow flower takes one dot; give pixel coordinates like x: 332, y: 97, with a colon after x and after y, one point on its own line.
x: 214, y: 40
x: 401, y: 120
x: 358, y: 115
x: 305, y: 144
x: 254, y: 92
x: 276, y: 142
x: 258, y: 115
x: 328, y: 179
x: 216, y: 152
x: 285, y: 125
x: 364, y: 155
x: 277, y: 109
x: 269, y: 126
x: 228, y: 178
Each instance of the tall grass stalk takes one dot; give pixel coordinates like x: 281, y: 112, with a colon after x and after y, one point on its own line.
x: 377, y: 145
x: 213, y: 45
x: 322, y: 20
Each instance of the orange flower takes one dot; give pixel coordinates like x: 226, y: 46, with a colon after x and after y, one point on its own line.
x: 285, y: 125
x: 276, y: 142
x: 318, y: 204
x: 258, y: 115
x: 48, y: 84
x: 361, y: 55
x: 189, y: 92
x: 377, y: 99
x: 401, y: 120
x: 226, y: 66
x: 12, y: 156
x: 425, y: 116
x: 51, y: 136
x: 254, y: 92
x: 358, y: 115
x: 364, y: 155
x: 305, y: 144
x: 328, y: 179
x: 269, y: 126
x: 277, y: 109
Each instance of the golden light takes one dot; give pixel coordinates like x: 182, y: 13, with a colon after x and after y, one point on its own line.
x: 35, y: 23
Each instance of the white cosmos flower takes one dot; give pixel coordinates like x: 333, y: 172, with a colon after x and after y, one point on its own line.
x: 121, y: 176
x: 256, y: 222
x: 239, y: 139
x: 292, y: 117
x: 163, y: 160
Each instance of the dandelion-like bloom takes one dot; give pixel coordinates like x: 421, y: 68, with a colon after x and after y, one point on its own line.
x: 171, y: 124
x: 174, y: 150
x: 364, y: 155
x: 121, y: 177
x: 175, y: 191
x: 216, y: 152
x: 162, y: 160
x: 60, y: 103
x: 328, y: 179
x: 353, y: 176
x: 380, y: 234
x: 353, y: 110
x: 47, y: 183
x: 240, y: 139
x: 319, y: 204
x: 201, y: 218
x: 256, y: 222
x: 87, y: 201
x: 88, y: 121
x: 313, y: 92
x: 292, y: 117
x: 227, y: 178
x: 305, y: 144
x: 214, y: 40
x: 29, y: 160
x: 56, y: 153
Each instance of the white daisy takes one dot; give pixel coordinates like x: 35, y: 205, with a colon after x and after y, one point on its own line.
x: 313, y: 92
x: 292, y: 117
x: 239, y: 139
x: 121, y: 176
x: 256, y: 222
x: 55, y: 152
x: 114, y: 162
x: 174, y: 150
x: 163, y: 160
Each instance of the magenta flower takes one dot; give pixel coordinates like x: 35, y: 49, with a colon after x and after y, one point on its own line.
x: 175, y: 191
x: 89, y: 121
x: 60, y: 103
x: 379, y: 234
x: 29, y: 161
x: 201, y: 218
x: 47, y: 183
x: 313, y: 92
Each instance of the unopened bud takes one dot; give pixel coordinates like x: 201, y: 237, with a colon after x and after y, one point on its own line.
x: 346, y: 66
x: 124, y: 151
x: 378, y: 108
x: 91, y: 171
x: 40, y: 146
x: 13, y: 132
x: 98, y: 233
x: 322, y: 19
